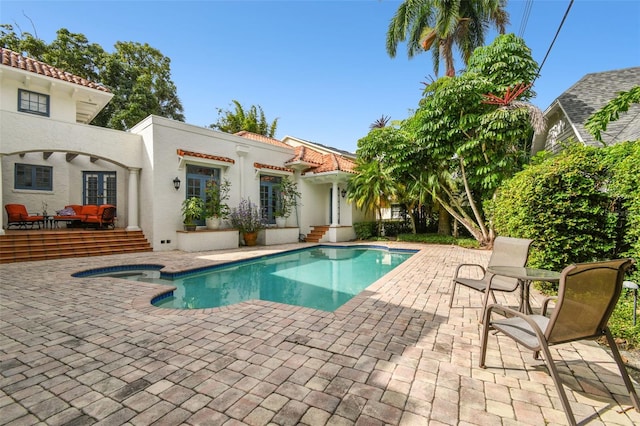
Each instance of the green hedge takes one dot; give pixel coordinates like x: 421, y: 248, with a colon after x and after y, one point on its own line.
x: 578, y: 206
x: 392, y: 228
x: 562, y: 205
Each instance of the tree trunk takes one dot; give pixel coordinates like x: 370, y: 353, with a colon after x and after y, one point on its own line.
x: 444, y: 222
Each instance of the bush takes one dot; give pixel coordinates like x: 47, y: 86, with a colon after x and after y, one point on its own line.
x: 364, y: 230
x: 439, y: 239
x: 561, y: 205
x: 580, y: 205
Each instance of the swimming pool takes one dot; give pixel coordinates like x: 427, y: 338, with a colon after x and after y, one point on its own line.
x: 320, y: 277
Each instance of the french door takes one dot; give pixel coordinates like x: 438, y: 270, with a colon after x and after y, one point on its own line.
x: 197, y: 178
x: 268, y: 197
x: 99, y: 188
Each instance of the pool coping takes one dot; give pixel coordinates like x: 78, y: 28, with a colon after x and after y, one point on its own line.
x: 145, y: 303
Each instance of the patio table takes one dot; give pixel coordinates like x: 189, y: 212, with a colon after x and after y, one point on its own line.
x: 525, y: 276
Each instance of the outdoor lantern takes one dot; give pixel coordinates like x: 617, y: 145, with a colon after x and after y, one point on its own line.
x: 176, y: 183
x: 343, y: 193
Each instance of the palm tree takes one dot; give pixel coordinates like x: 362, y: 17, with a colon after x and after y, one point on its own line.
x: 438, y: 25
x: 372, y: 188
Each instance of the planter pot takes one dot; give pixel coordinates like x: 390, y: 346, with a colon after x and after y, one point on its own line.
x: 213, y: 222
x: 190, y: 227
x: 281, y: 221
x: 250, y: 238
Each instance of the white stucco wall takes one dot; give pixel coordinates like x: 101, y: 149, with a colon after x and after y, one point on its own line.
x: 161, y: 217
x: 33, y: 135
x: 61, y: 106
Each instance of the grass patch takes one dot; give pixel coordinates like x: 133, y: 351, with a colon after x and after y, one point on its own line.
x: 465, y: 242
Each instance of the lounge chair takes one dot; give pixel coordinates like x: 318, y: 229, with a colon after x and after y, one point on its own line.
x: 587, y: 295
x: 17, y: 215
x: 507, y: 251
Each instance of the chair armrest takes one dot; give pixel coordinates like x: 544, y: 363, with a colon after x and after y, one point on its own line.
x: 455, y: 274
x: 508, y: 312
x: 545, y: 303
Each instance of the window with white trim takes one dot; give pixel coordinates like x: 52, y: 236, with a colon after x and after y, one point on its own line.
x: 33, y: 103
x: 29, y: 176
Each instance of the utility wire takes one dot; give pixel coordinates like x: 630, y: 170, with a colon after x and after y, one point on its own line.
x: 554, y: 39
x: 525, y: 18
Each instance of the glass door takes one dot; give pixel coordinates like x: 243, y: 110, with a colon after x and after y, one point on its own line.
x: 197, y: 178
x: 99, y: 188
x: 268, y: 197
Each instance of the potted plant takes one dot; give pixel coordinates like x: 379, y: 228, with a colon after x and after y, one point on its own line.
x: 192, y: 210
x: 248, y: 220
x: 216, y: 207
x: 287, y: 200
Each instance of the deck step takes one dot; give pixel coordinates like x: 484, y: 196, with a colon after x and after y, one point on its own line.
x: 25, y: 246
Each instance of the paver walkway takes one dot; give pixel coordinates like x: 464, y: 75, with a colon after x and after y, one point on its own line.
x: 78, y: 351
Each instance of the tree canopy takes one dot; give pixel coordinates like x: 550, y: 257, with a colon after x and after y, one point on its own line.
x: 469, y: 133
x: 252, y: 120
x: 138, y: 75
x: 438, y: 25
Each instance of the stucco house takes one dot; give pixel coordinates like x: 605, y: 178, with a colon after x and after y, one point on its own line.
x: 567, y: 115
x: 50, y: 154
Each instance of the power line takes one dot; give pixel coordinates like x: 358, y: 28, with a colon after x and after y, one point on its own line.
x: 554, y: 39
x: 525, y: 18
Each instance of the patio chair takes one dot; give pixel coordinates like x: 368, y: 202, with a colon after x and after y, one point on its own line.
x: 17, y: 215
x: 587, y: 295
x: 104, y: 217
x: 507, y: 251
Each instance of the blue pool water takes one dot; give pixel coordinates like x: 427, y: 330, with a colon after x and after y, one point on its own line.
x: 319, y: 277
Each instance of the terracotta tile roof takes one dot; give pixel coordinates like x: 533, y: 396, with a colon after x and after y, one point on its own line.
x: 261, y: 138
x: 316, y: 161
x: 322, y: 163
x: 306, y: 155
x: 334, y: 162
x: 183, y: 153
x: 16, y: 60
x: 270, y: 167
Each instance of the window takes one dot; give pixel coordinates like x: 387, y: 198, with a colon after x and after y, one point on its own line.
x: 33, y: 103
x: 28, y: 176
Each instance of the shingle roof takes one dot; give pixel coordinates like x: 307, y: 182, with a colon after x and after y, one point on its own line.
x: 591, y: 93
x: 16, y: 60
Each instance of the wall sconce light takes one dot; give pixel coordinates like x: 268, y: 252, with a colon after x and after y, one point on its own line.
x: 343, y: 193
x: 176, y: 183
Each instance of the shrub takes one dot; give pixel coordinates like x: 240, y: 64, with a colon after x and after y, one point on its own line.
x: 562, y: 205
x: 439, y: 239
x: 364, y: 230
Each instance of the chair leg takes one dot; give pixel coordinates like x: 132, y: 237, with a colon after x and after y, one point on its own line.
x: 553, y: 372
x: 483, y: 341
x: 453, y: 292
x: 623, y: 372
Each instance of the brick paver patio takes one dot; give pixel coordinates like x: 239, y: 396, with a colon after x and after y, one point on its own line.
x: 78, y: 351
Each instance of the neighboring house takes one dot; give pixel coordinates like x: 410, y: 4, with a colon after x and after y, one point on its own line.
x: 568, y: 114
x: 51, y: 155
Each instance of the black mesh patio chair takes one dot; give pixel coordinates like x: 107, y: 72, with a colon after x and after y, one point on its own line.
x: 507, y: 251
x: 587, y: 295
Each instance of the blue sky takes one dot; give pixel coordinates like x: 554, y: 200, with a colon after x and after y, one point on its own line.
x: 321, y: 66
